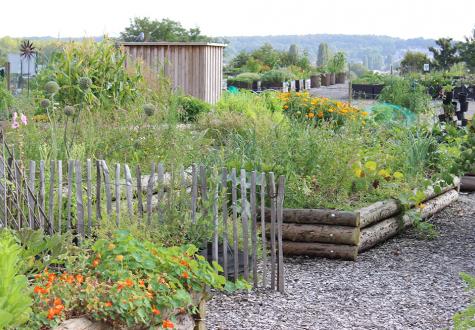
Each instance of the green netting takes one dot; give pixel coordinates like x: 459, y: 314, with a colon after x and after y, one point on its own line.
x: 391, y: 114
x: 233, y: 90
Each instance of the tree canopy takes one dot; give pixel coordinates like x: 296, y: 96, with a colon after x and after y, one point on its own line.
x: 445, y: 54
x: 413, y: 62
x: 146, y: 29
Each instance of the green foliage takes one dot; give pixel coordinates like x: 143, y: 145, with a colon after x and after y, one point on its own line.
x: 337, y: 63
x: 40, y: 251
x: 371, y: 78
x: 129, y: 282
x: 164, y: 30
x: 413, y: 62
x: 14, y: 296
x: 276, y: 76
x: 406, y: 93
x: 323, y: 54
x: 467, y: 51
x: 190, y: 108
x: 465, y: 319
x: 445, y: 53
x: 6, y: 100
x: 113, y: 85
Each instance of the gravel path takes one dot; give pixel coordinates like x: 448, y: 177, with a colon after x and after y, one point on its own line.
x: 405, y: 283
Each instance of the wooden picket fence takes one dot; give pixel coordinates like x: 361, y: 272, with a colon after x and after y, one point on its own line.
x: 81, y: 196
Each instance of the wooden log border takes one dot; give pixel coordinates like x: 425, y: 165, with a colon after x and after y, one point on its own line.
x: 344, y: 234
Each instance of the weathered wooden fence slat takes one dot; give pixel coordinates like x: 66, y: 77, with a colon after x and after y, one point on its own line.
x: 70, y: 193
x: 245, y: 224
x: 235, y: 226
x: 107, y: 187
x: 280, y: 248
x: 224, y: 183
x: 150, y: 194
x: 128, y: 189
x: 42, y: 192
x: 60, y: 195
x: 272, y: 230
x: 51, y: 195
x: 252, y: 199
x: 194, y: 192
x: 117, y: 194
x: 98, y: 191
x: 139, y: 192
x: 263, y: 229
x: 79, y: 202
x: 89, y: 195
x: 160, y: 191
x: 31, y: 211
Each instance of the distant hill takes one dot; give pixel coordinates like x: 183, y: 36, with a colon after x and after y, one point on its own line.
x: 389, y: 49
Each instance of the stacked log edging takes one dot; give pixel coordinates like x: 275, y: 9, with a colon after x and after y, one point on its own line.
x: 343, y: 234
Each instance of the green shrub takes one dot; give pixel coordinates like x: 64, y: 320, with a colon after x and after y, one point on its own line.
x: 6, y: 100
x: 190, y: 107
x: 370, y: 78
x: 406, y: 93
x: 276, y: 76
x: 247, y: 77
x: 15, y: 301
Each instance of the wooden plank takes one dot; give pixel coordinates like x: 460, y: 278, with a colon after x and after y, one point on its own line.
x: 18, y: 186
x: 280, y: 248
x: 89, y: 195
x: 252, y: 199
x: 128, y: 189
x: 272, y: 230
x: 160, y: 191
x: 107, y: 186
x: 263, y: 229
x: 139, y: 191
x: 79, y: 202
x: 297, y: 232
x: 3, y: 193
x: 51, y: 196
x: 224, y: 187
x: 245, y: 224
x: 194, y: 192
x: 41, y: 197
x: 117, y: 194
x: 60, y: 195
x: 98, y: 191
x: 235, y: 226
x: 70, y: 192
x: 31, y: 211
x: 150, y: 194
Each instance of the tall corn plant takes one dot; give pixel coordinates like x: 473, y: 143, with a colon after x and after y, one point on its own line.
x: 113, y: 85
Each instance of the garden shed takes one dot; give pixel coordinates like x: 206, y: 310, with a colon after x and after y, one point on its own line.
x: 195, y: 68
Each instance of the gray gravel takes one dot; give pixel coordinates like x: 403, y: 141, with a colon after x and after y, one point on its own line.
x: 405, y: 283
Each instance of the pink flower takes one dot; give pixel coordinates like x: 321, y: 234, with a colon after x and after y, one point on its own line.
x: 15, y: 116
x: 24, y: 120
x: 15, y: 124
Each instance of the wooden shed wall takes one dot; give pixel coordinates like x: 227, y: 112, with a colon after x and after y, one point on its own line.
x: 197, y: 70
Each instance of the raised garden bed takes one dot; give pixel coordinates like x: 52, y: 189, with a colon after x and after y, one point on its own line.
x: 344, y: 234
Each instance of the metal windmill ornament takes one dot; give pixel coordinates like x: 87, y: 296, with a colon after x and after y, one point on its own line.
x: 28, y: 52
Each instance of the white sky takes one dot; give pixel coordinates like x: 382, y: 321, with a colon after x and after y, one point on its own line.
x: 399, y: 18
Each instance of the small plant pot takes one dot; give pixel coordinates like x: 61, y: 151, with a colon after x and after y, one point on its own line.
x: 442, y: 118
x: 315, y: 81
x: 459, y: 115
x: 308, y: 84
x: 326, y: 79
x: 340, y: 78
x: 464, y: 122
x: 462, y: 97
x: 292, y: 85
x: 448, y: 97
x: 464, y: 106
x: 332, y: 78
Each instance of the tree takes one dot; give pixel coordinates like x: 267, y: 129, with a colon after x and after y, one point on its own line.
x: 145, y: 29
x: 267, y: 55
x: 413, y: 62
x: 467, y: 51
x: 445, y: 54
x: 323, y: 54
x: 293, y: 54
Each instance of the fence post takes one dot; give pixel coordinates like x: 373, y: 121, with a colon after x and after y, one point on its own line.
x: 235, y: 227
x: 128, y: 189
x: 139, y: 192
x: 263, y: 229
x: 88, y: 195
x: 107, y: 186
x: 224, y: 187
x: 31, y: 211
x: 79, y: 203
x: 160, y: 191
x: 117, y: 194
x: 70, y: 191
x: 252, y: 199
x: 51, y: 197
x: 98, y: 191
x: 272, y: 229
x: 41, y: 201
x: 60, y: 195
x: 150, y: 194
x: 280, y: 216
x: 245, y: 224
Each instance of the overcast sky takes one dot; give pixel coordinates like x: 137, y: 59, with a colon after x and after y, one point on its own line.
x: 399, y: 18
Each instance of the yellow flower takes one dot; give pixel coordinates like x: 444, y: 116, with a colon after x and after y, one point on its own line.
x: 119, y: 258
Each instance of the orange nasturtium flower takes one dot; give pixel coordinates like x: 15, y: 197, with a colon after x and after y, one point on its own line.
x: 184, y: 263
x: 119, y: 258
x: 155, y: 311
x: 167, y: 324
x: 108, y: 304
x: 128, y: 282
x: 141, y: 283
x: 96, y: 262
x: 185, y: 275
x: 79, y: 278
